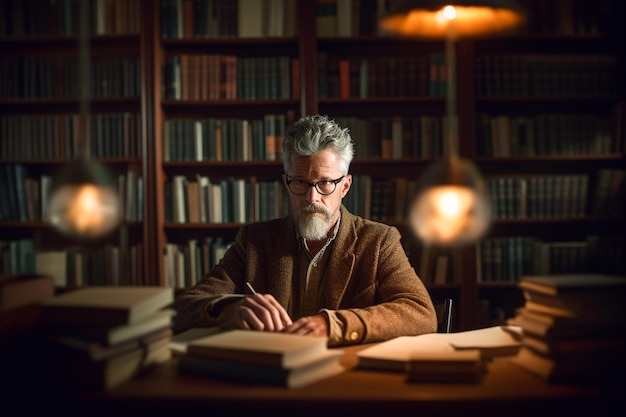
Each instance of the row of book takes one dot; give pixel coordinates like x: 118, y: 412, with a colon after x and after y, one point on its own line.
x: 380, y: 199
x: 398, y: 137
x: 230, y: 77
x: 186, y: 263
x: 610, y: 193
x: 545, y: 135
x: 538, y: 197
x: 243, y: 200
x: 569, y: 17
x: 185, y: 19
x: 54, y: 137
x: 61, y: 18
x: 390, y: 76
x: 260, y: 139
x: 212, y: 139
x: 349, y: 18
x: 228, y: 200
x: 559, y: 195
x: 573, y: 328
x: 35, y: 77
x: 507, y: 259
x: 113, y: 265
x: 545, y: 75
x: 26, y: 197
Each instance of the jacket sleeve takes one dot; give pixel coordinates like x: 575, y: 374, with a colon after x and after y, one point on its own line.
x: 194, y: 304
x: 401, y: 304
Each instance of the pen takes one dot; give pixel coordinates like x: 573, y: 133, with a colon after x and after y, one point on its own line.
x: 252, y: 290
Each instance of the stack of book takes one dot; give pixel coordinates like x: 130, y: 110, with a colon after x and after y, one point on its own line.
x: 574, y: 327
x: 100, y: 337
x: 267, y: 358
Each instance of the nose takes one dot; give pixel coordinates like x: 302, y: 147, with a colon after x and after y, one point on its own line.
x: 312, y: 195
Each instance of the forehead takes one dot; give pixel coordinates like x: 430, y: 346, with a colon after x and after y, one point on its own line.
x: 323, y: 164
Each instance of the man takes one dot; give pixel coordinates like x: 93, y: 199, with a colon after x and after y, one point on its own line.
x: 321, y: 271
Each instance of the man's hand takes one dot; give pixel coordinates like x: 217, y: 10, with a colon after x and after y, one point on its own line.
x: 255, y: 312
x: 310, y: 326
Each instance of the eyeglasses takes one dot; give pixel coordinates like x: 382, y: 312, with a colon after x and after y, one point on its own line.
x: 324, y: 187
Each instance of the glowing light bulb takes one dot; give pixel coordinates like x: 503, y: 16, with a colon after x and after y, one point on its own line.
x: 84, y: 202
x: 452, y: 207
x: 449, y: 12
x: 450, y: 214
x: 84, y: 210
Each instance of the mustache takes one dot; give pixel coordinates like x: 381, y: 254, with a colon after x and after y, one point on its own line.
x: 312, y: 208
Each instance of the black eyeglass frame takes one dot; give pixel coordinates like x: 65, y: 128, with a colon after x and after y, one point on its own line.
x: 312, y: 184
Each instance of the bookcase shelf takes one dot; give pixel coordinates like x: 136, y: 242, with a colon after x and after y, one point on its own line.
x: 310, y: 44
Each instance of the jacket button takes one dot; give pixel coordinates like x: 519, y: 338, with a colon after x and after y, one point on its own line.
x: 354, y: 336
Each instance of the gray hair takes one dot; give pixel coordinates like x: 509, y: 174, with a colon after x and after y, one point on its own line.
x: 312, y: 134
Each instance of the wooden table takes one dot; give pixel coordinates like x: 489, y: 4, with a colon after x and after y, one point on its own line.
x: 507, y: 390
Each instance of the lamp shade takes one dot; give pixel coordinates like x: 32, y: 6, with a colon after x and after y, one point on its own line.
x: 472, y: 18
x: 452, y: 206
x: 83, y: 201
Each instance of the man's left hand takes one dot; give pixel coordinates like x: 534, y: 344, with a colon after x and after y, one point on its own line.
x: 310, y: 326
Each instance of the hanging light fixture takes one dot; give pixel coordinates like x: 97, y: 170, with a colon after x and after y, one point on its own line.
x: 83, y: 201
x: 452, y: 205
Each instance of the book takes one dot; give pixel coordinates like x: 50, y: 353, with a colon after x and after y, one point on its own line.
x: 106, y: 305
x: 576, y: 368
x: 108, y: 335
x: 464, y: 366
x: 564, y: 284
x: 69, y: 347
x: 576, y: 313
x: 575, y: 346
x: 263, y: 348
x: 105, y: 374
x: 54, y: 264
x: 395, y: 354
x: 22, y: 290
x: 318, y: 367
x: 579, y: 293
x: 550, y: 326
x: 250, y: 18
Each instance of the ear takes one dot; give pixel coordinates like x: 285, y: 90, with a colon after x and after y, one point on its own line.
x: 347, y: 183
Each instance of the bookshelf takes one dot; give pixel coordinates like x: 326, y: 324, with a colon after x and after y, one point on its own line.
x: 214, y: 95
x: 548, y: 135
x: 39, y: 103
x: 226, y: 88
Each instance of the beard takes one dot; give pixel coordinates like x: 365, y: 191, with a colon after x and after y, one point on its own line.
x: 311, y: 226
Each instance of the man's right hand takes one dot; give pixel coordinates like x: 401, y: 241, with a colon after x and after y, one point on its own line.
x: 255, y: 312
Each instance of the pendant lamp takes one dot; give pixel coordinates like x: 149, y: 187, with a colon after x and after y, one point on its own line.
x: 451, y: 207
x: 83, y: 200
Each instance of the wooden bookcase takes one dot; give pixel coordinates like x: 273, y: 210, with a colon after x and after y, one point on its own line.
x: 402, y: 92
x: 39, y: 103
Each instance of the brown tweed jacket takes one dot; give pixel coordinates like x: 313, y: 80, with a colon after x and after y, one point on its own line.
x: 371, y: 285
